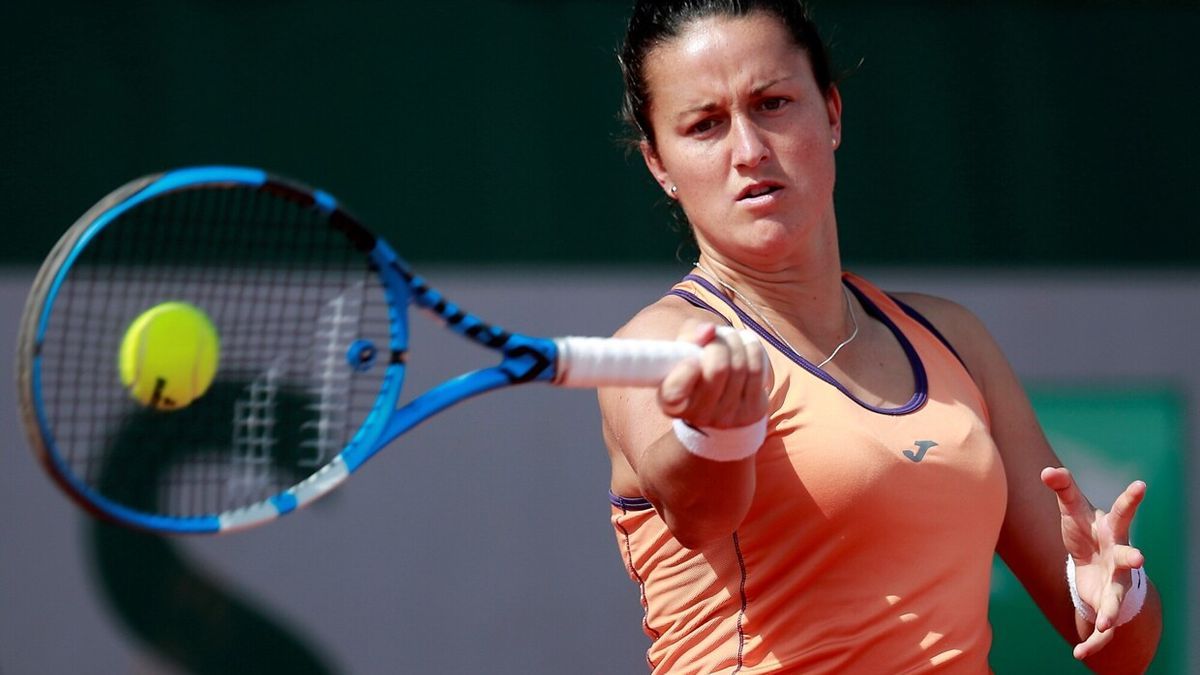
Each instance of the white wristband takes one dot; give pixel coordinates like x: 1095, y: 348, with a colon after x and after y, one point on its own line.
x: 721, y: 445
x: 1135, y: 597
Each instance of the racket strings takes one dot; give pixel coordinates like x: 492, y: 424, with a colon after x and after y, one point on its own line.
x: 287, y: 294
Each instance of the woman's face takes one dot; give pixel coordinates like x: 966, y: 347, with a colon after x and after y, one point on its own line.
x: 745, y: 135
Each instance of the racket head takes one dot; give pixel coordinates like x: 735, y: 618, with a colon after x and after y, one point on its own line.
x: 313, y: 331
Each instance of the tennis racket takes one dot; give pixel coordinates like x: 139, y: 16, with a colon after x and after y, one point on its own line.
x: 312, y: 313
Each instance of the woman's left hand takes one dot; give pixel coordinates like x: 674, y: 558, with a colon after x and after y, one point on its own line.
x: 1099, y: 543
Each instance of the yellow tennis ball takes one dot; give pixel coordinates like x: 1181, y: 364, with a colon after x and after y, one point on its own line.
x: 169, y: 355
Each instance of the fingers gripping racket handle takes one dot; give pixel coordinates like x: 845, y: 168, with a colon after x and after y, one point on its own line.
x: 609, y: 362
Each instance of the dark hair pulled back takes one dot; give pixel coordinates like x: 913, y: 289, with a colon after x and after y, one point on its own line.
x: 655, y: 22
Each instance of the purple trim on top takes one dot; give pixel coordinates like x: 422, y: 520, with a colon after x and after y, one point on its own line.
x: 629, y: 503
x: 920, y: 379
x: 696, y: 301
x: 920, y: 318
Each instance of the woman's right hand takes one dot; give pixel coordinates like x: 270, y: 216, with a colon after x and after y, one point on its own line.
x: 726, y: 387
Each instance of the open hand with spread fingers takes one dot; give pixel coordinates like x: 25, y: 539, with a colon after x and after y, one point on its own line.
x: 1107, y: 575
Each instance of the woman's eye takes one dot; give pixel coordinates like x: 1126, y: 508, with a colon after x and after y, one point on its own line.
x: 702, y: 126
x: 773, y: 103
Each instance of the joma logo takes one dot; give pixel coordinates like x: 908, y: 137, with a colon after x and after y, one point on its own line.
x: 922, y: 448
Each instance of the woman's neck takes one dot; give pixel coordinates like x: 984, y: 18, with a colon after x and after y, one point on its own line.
x: 808, y: 299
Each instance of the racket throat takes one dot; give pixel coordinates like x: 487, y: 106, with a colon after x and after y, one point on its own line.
x: 527, y: 360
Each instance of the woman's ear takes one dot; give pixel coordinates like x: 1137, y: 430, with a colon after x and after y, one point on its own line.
x: 655, y: 165
x: 833, y: 107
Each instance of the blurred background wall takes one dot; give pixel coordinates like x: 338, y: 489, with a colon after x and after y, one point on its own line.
x: 1032, y: 160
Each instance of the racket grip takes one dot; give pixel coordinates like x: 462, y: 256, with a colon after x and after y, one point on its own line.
x: 610, y: 362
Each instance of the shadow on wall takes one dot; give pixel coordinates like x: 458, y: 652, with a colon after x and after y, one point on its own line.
x: 185, y: 616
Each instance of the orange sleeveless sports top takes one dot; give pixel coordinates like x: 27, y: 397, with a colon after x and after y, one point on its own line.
x: 868, y: 546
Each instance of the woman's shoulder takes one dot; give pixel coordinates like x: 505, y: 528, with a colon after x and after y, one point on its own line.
x: 662, y: 319
x: 962, y: 329
x: 946, y: 315
x: 949, y: 317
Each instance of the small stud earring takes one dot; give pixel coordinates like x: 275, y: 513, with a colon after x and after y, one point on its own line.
x: 674, y: 189
x: 835, y: 141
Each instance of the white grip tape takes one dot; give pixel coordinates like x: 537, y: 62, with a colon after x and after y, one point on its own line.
x: 1131, y: 605
x: 612, y: 362
x: 607, y: 362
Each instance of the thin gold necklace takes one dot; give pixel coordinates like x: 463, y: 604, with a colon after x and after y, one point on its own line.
x: 764, y: 319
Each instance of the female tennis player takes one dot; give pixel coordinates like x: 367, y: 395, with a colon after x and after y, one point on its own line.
x: 837, y: 511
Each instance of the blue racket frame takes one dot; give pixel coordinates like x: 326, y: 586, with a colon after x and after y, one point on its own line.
x: 523, y: 358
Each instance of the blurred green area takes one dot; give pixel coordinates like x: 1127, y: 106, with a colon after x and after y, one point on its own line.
x: 485, y: 131
x: 1109, y: 436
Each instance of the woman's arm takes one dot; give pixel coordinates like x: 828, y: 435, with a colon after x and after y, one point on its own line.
x: 700, y: 499
x: 1048, y: 515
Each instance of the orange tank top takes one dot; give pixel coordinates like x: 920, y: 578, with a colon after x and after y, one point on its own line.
x: 869, y: 542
